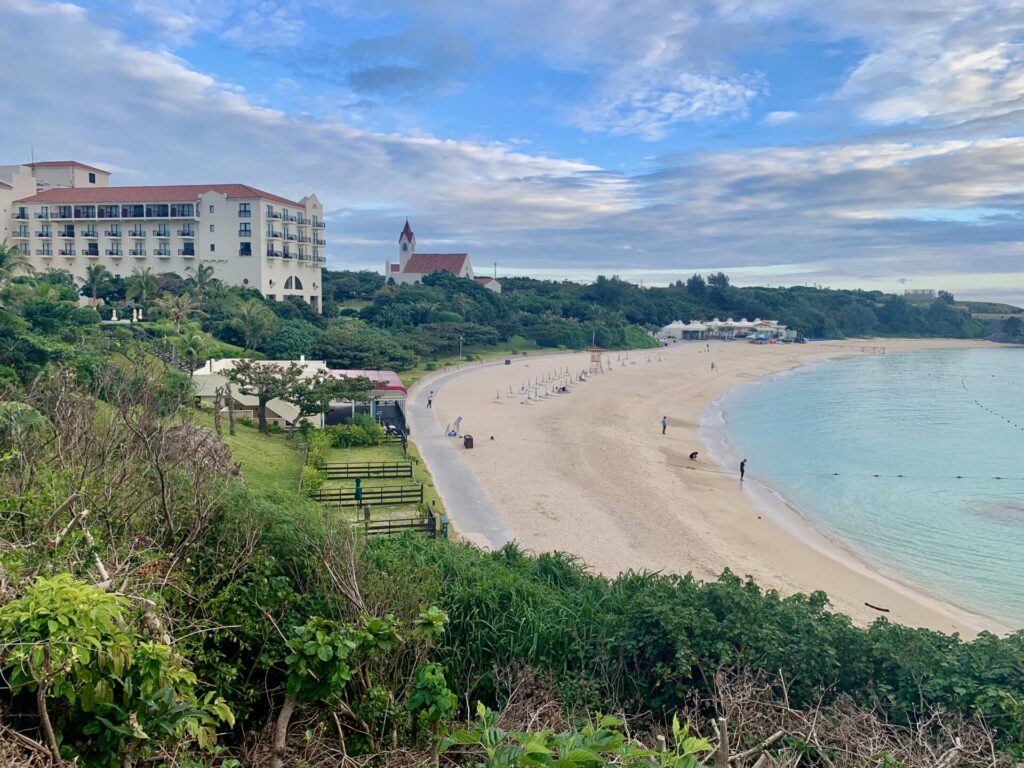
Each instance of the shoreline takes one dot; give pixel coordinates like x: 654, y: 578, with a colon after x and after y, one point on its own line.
x: 589, y: 473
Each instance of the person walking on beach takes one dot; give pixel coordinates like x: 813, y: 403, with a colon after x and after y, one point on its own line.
x: 430, y: 398
x: 707, y: 347
x: 743, y: 469
x: 664, y: 424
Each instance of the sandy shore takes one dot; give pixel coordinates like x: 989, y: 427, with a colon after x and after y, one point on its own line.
x: 590, y: 473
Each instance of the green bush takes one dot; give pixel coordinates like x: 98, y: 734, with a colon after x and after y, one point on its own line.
x: 275, y: 428
x: 312, y: 480
x: 111, y: 692
x: 647, y: 641
x: 431, y: 366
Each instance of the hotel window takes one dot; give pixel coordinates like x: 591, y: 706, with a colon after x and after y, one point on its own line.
x: 211, y: 209
x: 211, y: 227
x: 270, y: 210
x: 212, y: 247
x: 92, y: 178
x: 245, y: 249
x: 244, y: 229
x: 244, y: 209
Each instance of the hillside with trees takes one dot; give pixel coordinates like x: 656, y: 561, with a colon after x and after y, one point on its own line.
x: 170, y: 597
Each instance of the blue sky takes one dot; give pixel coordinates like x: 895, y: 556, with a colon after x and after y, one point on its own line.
x: 872, y: 143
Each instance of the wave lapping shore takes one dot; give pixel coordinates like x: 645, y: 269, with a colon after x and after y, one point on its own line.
x: 589, y: 472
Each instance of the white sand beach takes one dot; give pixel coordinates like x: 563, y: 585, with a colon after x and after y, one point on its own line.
x: 590, y: 473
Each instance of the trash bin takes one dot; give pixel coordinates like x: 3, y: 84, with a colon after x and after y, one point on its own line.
x: 507, y: 361
x: 467, y: 441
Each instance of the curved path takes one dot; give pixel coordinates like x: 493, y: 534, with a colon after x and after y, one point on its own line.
x: 469, y: 507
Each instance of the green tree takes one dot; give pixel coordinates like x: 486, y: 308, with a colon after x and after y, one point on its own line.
x: 254, y: 321
x: 265, y: 381
x: 314, y: 394
x: 97, y: 278
x: 12, y: 261
x: 291, y: 339
x: 192, y: 345
x: 142, y: 284
x: 202, y: 281
x: 178, y: 308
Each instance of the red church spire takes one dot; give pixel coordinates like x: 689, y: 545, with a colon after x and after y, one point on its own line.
x: 407, y: 232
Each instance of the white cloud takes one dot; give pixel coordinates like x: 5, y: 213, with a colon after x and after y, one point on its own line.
x: 654, y: 104
x: 780, y: 118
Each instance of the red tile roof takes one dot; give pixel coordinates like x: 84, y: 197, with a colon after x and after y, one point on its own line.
x: 428, y: 263
x: 64, y: 164
x: 5, y: 185
x: 181, y: 193
x: 485, y: 280
x: 396, y: 267
x: 407, y: 232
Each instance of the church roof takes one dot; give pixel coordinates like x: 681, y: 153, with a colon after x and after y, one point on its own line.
x: 406, y: 232
x: 428, y: 263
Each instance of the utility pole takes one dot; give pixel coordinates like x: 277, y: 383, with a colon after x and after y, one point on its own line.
x: 460, y: 348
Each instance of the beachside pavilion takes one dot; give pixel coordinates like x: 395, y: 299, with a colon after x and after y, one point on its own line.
x: 389, y: 392
x: 723, y: 329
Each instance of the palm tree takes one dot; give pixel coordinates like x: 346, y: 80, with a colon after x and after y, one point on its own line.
x: 141, y: 284
x: 13, y: 260
x: 96, y: 278
x: 202, y: 279
x: 254, y: 321
x: 178, y: 308
x: 193, y: 346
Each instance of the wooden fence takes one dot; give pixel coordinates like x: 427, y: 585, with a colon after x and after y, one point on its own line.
x: 342, y: 471
x: 426, y: 524
x: 381, y: 494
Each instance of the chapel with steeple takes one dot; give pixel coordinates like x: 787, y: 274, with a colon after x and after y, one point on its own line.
x: 412, y: 266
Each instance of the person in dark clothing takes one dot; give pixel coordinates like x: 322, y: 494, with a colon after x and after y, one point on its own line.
x: 664, y: 424
x: 693, y: 456
x: 743, y: 469
x: 430, y: 398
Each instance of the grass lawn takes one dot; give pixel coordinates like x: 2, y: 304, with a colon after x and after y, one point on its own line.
x: 388, y: 453
x: 268, y: 461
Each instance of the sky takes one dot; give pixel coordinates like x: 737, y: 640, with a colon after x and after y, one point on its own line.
x: 876, y: 144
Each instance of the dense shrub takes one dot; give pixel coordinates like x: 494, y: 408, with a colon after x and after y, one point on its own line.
x: 645, y: 641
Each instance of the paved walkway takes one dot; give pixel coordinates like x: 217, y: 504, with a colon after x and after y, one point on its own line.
x: 468, y: 505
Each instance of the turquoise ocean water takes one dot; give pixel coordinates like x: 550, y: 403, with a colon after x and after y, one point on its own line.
x: 896, y: 457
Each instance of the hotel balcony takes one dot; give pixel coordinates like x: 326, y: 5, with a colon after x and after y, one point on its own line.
x: 91, y: 254
x: 245, y: 214
x: 137, y: 233
x: 47, y: 254
x: 187, y: 232
x: 273, y: 253
x: 42, y: 216
x: 21, y: 216
x: 112, y: 233
x: 318, y: 241
x: 117, y: 253
x: 163, y: 253
x: 67, y: 252
x: 319, y: 225
x: 244, y: 232
x: 21, y: 235
x: 289, y: 217
x: 67, y: 235
x: 44, y: 234
x: 137, y: 251
x: 274, y: 234
x: 305, y: 239
x: 290, y: 237
x: 62, y: 215
x: 91, y: 234
x: 186, y: 253
x: 162, y: 233
x: 273, y: 215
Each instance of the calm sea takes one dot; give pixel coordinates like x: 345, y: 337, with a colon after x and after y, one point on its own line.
x: 914, y: 460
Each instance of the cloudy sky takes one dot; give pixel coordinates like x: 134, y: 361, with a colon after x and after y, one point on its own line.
x: 872, y: 143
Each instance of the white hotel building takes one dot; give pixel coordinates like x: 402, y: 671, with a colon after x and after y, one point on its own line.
x: 64, y: 215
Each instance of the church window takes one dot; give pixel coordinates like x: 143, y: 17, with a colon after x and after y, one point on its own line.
x: 405, y: 247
